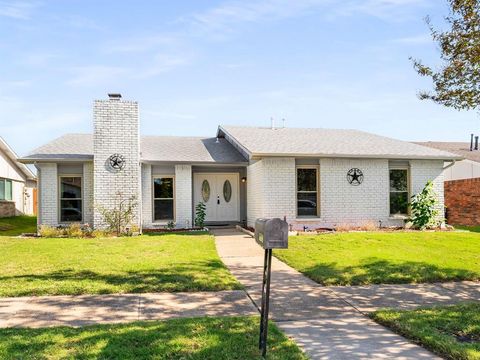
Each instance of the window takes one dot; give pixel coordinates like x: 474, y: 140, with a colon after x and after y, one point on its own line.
x: 399, y: 192
x: 6, y: 189
x: 163, y: 204
x: 70, y: 198
x: 307, y: 192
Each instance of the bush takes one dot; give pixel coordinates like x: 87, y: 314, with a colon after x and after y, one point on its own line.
x: 119, y: 219
x: 424, y: 208
x: 74, y: 230
x: 50, y: 231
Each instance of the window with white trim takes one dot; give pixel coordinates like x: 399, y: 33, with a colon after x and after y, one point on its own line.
x: 399, y: 191
x: 163, y: 199
x: 6, y: 189
x: 307, y: 192
x: 71, y: 199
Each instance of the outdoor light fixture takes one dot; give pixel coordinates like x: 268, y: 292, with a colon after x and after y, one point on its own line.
x: 244, y: 179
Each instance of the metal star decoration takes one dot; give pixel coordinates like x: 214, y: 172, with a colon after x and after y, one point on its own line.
x: 117, y: 162
x: 355, y: 176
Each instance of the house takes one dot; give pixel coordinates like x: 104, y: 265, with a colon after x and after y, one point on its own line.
x: 313, y: 177
x: 462, y: 182
x: 17, y: 184
x: 468, y: 168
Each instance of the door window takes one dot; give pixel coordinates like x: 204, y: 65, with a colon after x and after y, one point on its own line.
x: 205, y: 190
x: 227, y: 191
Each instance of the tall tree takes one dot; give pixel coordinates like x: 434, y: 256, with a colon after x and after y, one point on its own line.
x: 457, y: 81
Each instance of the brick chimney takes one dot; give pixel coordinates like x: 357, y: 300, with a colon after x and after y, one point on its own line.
x: 116, y: 147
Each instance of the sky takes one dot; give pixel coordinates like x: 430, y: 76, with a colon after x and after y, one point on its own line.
x: 195, y: 64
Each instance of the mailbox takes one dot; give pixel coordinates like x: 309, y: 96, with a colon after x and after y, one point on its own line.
x: 272, y: 233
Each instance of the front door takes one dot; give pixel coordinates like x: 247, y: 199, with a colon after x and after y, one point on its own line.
x: 220, y: 194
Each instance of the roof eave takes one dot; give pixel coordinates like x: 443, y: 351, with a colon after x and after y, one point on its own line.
x: 357, y: 156
x: 29, y: 160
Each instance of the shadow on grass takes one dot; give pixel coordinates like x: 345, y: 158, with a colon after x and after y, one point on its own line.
x: 200, y: 338
x: 374, y: 271
x: 195, y: 276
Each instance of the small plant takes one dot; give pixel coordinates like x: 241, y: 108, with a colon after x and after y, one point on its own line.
x: 99, y: 233
x: 170, y: 225
x: 121, y: 216
x: 200, y: 214
x: 74, y: 230
x: 50, y: 231
x: 424, y: 208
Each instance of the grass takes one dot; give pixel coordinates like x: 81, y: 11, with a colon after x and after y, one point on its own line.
x: 170, y: 262
x: 385, y: 258
x: 452, y: 332
x: 468, y: 228
x: 16, y: 225
x: 196, y: 338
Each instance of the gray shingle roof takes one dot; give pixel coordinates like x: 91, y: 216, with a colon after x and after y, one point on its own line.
x: 460, y: 148
x: 327, y: 143
x: 153, y: 148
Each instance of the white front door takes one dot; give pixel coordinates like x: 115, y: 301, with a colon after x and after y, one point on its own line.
x: 220, y: 194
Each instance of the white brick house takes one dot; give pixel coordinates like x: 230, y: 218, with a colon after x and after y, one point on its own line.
x: 313, y: 177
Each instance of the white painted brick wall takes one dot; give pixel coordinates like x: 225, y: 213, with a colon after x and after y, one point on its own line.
x: 183, y: 195
x: 343, y: 203
x: 255, y: 198
x: 279, y: 181
x: 423, y: 170
x: 88, y: 200
x: 271, y: 186
x: 116, y: 130
x: 48, y: 185
x: 147, y: 213
x: 269, y: 189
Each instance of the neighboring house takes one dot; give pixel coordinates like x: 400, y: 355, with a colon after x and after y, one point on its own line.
x: 468, y: 168
x: 313, y: 177
x: 17, y: 184
x: 462, y: 182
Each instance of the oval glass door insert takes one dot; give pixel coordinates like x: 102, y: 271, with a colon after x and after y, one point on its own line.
x: 205, y: 191
x: 227, y: 191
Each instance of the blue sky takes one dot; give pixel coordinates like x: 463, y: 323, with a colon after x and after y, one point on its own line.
x: 192, y: 65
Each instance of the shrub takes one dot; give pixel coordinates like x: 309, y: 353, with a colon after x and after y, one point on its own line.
x: 200, y: 214
x: 74, y: 230
x: 50, y: 231
x: 424, y: 208
x: 99, y: 233
x: 120, y: 218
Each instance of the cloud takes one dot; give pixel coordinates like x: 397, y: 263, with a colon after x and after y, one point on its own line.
x: 415, y: 40
x: 95, y: 74
x: 140, y: 43
x: 160, y: 64
x: 21, y: 10
x: 389, y: 10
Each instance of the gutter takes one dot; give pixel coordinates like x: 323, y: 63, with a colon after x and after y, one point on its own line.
x: 450, y: 165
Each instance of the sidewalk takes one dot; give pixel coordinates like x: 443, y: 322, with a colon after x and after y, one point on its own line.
x: 329, y: 322
x: 46, y: 311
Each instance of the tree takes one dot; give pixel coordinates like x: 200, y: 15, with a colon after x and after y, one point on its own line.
x: 457, y: 81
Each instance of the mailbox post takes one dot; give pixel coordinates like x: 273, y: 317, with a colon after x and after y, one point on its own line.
x: 270, y: 234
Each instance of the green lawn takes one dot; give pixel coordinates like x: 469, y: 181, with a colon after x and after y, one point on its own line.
x: 17, y: 225
x: 170, y: 262
x: 196, y: 338
x: 385, y: 258
x: 452, y: 332
x: 468, y: 228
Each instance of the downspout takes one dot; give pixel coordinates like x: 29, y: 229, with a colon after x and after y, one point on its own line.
x: 450, y: 165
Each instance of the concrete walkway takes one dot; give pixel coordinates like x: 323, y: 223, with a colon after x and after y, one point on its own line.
x: 46, y: 311
x: 329, y: 322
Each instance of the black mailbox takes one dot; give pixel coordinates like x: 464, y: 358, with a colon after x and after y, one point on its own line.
x: 272, y: 233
